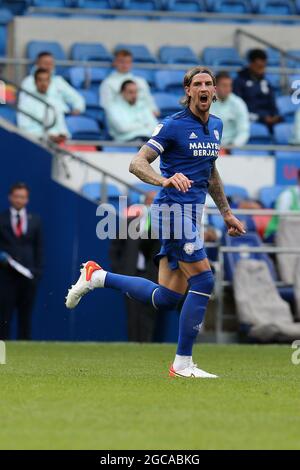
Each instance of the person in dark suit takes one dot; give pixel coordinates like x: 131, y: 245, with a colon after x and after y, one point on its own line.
x: 21, y: 240
x: 135, y: 258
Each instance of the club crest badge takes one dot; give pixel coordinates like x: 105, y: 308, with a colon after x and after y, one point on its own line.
x: 189, y: 248
x: 157, y: 129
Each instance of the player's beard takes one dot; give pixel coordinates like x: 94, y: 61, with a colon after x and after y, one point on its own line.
x: 202, y: 109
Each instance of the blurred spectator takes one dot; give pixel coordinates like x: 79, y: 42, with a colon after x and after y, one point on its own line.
x: 128, y: 117
x: 253, y: 87
x: 296, y: 130
x: 135, y: 258
x: 59, y: 88
x: 58, y: 132
x: 110, y: 87
x: 21, y: 262
x: 288, y: 200
x: 233, y: 112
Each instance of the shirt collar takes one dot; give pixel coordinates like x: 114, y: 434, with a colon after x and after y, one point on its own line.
x: 14, y: 212
x: 193, y: 116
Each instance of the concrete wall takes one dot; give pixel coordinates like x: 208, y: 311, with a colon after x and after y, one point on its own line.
x: 241, y: 171
x: 152, y: 33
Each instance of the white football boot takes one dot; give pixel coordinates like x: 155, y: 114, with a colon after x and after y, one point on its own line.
x: 84, y: 283
x: 192, y: 371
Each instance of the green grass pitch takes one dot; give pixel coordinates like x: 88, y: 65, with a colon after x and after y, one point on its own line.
x: 119, y: 396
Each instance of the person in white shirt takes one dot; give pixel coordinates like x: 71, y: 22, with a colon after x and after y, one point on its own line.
x: 110, y: 87
x: 70, y: 100
x: 58, y: 132
x: 128, y: 117
x: 233, y: 112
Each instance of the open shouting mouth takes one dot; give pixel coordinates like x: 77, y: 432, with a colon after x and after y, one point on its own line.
x: 204, y: 99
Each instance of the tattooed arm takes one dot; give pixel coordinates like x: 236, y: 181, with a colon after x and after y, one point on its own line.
x: 216, y: 190
x: 141, y: 167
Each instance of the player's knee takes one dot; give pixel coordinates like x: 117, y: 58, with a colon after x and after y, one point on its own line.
x: 202, y: 282
x: 165, y: 299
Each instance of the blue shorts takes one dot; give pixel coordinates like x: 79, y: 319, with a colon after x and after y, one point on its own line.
x: 180, y: 232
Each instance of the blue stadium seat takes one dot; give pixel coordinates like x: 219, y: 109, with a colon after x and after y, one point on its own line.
x: 294, y: 63
x: 177, y: 55
x: 5, y: 16
x: 281, y: 154
x: 186, y: 5
x: 275, y: 82
x: 221, y: 56
x: 275, y: 7
x: 93, y: 109
x: 35, y: 47
x: 8, y: 113
x: 135, y: 197
x: 297, y: 6
x: 16, y: 7
x: 273, y: 57
x: 144, y: 5
x: 283, y: 133
x: 235, y: 195
x: 146, y: 74
x: 51, y: 3
x: 92, y: 51
x: 101, y: 4
x: 140, y: 52
x: 236, y: 192
x: 170, y: 81
x: 91, y: 97
x: 96, y: 75
x: 231, y: 259
x: 259, y: 134
x: 93, y: 191
x: 83, y: 128
x: 168, y: 104
x: 286, y: 107
x: 232, y: 6
x: 86, y: 77
x: 269, y: 194
x: 251, y: 239
x: 3, y: 40
x: 77, y: 77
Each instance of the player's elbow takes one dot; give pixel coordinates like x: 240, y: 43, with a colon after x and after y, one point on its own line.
x: 132, y: 167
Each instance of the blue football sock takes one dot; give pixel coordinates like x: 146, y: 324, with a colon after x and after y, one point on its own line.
x: 144, y: 290
x: 193, y: 311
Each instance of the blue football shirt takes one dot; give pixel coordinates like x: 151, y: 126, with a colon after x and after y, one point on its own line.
x: 187, y: 146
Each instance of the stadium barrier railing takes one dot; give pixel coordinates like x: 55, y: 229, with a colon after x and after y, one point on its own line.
x: 291, y: 148
x: 61, y: 153
x: 16, y: 67
x: 284, y: 55
x: 221, y: 283
x: 45, y: 122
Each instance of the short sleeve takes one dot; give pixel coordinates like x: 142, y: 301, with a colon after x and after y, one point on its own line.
x: 221, y: 130
x: 162, y: 136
